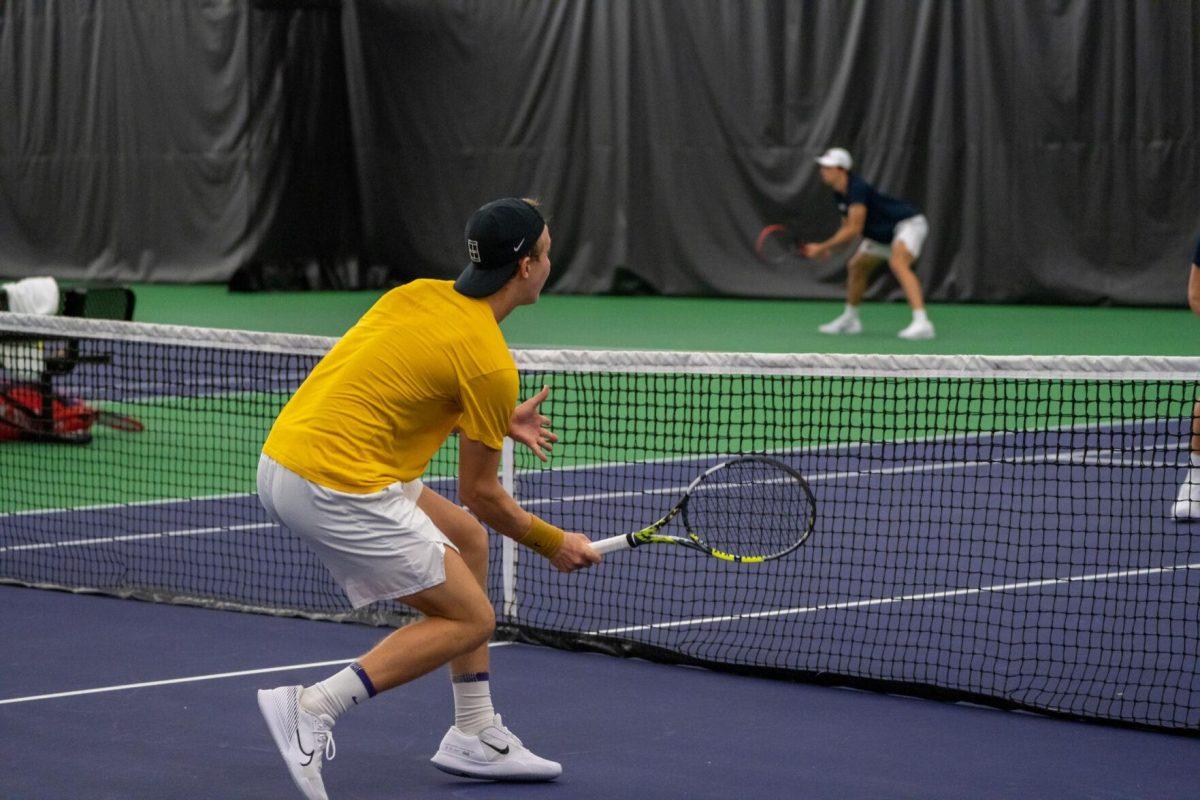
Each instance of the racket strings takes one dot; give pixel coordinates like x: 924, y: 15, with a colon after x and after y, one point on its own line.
x: 776, y: 243
x: 750, y: 507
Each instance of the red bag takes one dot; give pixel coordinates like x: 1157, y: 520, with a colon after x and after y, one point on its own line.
x: 70, y: 419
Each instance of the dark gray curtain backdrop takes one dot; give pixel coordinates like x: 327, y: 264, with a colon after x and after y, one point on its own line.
x: 1053, y: 145
x: 303, y: 206
x: 123, y: 140
x: 173, y: 141
x: 460, y: 102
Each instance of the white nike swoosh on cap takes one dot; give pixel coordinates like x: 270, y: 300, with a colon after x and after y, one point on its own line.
x: 518, y: 247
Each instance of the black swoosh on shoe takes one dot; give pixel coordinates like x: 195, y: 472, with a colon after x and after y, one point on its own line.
x: 308, y: 753
x: 503, y: 752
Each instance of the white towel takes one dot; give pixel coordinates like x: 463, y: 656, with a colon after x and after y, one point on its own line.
x: 32, y: 296
x: 24, y: 361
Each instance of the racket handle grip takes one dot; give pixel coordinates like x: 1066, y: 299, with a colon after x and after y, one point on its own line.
x: 612, y: 544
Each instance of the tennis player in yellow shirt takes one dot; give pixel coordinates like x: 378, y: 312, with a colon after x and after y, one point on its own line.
x: 342, y: 466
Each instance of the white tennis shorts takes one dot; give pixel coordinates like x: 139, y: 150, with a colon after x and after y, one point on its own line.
x: 377, y: 546
x: 911, y: 231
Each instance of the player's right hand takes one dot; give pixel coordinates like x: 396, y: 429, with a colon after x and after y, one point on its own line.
x: 813, y: 250
x: 576, y: 553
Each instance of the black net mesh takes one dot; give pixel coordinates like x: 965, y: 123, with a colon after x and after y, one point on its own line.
x: 994, y: 530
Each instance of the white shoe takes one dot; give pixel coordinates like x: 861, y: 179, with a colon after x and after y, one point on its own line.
x: 302, y: 738
x: 496, y: 754
x: 846, y: 325
x: 917, y: 329
x: 1187, y: 502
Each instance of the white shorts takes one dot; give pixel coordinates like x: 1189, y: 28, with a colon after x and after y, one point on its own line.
x: 911, y: 231
x: 377, y: 546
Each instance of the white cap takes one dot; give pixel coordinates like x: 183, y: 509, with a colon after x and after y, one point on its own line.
x: 836, y: 157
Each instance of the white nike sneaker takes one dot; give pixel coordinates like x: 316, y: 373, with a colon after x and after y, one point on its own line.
x: 302, y: 738
x: 846, y: 325
x: 1187, y: 503
x: 496, y: 754
x: 917, y: 329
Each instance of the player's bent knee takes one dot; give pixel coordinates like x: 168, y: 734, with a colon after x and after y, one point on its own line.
x: 477, y: 613
x: 481, y: 624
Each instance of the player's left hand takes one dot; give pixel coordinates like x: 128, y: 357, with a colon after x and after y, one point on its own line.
x: 576, y: 553
x: 813, y: 250
x: 530, y: 428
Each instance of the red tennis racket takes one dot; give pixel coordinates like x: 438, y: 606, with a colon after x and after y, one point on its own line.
x: 777, y: 244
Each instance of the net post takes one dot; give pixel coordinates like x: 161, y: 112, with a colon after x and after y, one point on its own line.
x: 508, y: 552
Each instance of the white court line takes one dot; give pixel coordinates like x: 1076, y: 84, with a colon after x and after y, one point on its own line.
x: 134, y: 537
x: 191, y: 679
x: 907, y: 598
x: 1117, y: 425
x: 1064, y: 458
x: 164, y: 501
x: 133, y: 504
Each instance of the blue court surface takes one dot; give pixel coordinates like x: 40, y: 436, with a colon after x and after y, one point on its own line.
x: 1040, y: 567
x: 621, y: 728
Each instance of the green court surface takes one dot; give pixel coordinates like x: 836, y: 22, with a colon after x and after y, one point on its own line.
x: 769, y: 326
x: 207, y: 446
x: 178, y: 455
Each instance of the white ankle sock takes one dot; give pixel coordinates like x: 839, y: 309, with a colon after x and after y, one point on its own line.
x: 850, y: 312
x: 472, y: 702
x: 340, y: 691
x: 920, y: 316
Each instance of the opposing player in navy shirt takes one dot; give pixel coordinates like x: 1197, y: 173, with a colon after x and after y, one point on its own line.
x: 1187, y: 504
x: 892, y: 230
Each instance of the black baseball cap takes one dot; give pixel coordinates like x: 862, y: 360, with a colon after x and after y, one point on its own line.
x: 499, y: 235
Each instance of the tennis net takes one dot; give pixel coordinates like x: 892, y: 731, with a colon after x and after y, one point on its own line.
x: 992, y: 529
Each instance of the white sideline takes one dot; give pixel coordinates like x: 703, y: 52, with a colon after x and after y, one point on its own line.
x: 135, y: 537
x: 905, y: 598
x: 191, y: 679
x: 1090, y: 457
x: 837, y: 447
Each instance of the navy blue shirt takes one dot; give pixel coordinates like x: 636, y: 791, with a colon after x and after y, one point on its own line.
x: 1196, y: 258
x: 883, y: 212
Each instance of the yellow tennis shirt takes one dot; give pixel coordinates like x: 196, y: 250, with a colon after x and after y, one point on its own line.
x: 421, y: 362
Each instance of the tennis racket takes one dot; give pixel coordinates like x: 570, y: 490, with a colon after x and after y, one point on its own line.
x: 748, y: 509
x: 119, y: 422
x: 777, y: 243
